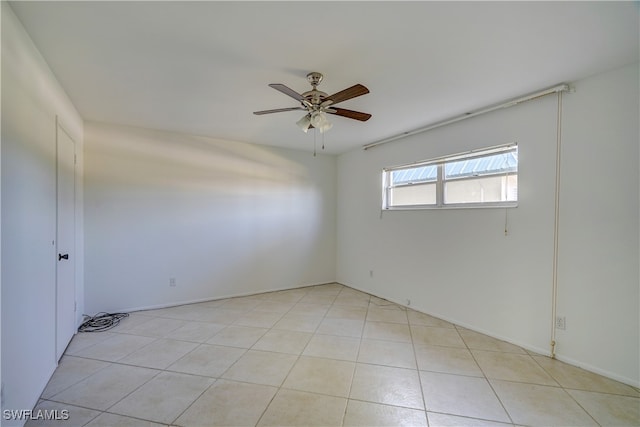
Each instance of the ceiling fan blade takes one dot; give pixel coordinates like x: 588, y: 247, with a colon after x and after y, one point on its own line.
x: 287, y: 91
x: 343, y: 95
x: 277, y: 110
x: 356, y: 115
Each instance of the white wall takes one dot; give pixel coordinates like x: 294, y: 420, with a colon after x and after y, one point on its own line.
x: 31, y: 100
x: 598, y: 284
x: 459, y: 264
x: 222, y: 218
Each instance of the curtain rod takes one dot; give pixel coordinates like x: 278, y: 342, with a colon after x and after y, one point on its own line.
x: 564, y: 87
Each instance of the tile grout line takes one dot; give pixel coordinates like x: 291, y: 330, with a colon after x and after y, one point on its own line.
x: 484, y: 375
x: 415, y: 357
x: 468, y: 417
x: 305, y: 347
x: 355, y: 366
x: 132, y: 391
x: 199, y: 344
x: 219, y: 377
x: 290, y: 369
x: 106, y: 410
x: 215, y: 380
x: 80, y: 380
x: 565, y: 391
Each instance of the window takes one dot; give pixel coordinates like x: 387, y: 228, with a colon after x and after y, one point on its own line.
x: 487, y: 177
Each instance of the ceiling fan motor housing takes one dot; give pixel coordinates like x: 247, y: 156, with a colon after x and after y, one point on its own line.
x: 314, y: 78
x: 314, y: 96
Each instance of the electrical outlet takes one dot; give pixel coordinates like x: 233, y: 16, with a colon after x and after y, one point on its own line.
x: 172, y: 282
x: 561, y: 322
x: 370, y: 273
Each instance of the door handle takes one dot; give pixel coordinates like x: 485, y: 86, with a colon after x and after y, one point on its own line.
x: 63, y: 256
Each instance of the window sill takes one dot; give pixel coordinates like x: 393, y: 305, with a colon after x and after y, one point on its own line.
x: 500, y: 205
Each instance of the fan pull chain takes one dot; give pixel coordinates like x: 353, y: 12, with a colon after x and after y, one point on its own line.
x: 314, y: 142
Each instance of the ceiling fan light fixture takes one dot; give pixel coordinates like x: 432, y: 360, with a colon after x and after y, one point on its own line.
x: 326, y: 127
x: 304, y: 123
x: 319, y: 121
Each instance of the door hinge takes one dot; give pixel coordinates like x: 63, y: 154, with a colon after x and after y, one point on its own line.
x: 75, y: 306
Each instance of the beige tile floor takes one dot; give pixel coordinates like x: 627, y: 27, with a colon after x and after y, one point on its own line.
x: 323, y: 355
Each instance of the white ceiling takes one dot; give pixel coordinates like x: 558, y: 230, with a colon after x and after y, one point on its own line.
x: 203, y: 67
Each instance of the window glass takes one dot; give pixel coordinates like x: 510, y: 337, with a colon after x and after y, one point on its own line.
x: 424, y: 194
x: 480, y: 178
x: 486, y: 165
x: 414, y: 175
x: 487, y: 189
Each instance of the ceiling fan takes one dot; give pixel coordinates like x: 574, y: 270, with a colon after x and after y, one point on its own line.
x: 318, y: 104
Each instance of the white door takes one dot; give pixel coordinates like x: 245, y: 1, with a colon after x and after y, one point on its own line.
x: 65, y: 238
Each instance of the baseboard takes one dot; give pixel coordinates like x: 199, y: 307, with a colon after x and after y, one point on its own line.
x: 598, y: 371
x: 208, y: 299
x: 541, y: 351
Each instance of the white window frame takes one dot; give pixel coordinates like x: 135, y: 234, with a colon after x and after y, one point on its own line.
x: 440, y: 182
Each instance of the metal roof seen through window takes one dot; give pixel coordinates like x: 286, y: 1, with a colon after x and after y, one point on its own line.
x: 500, y: 163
